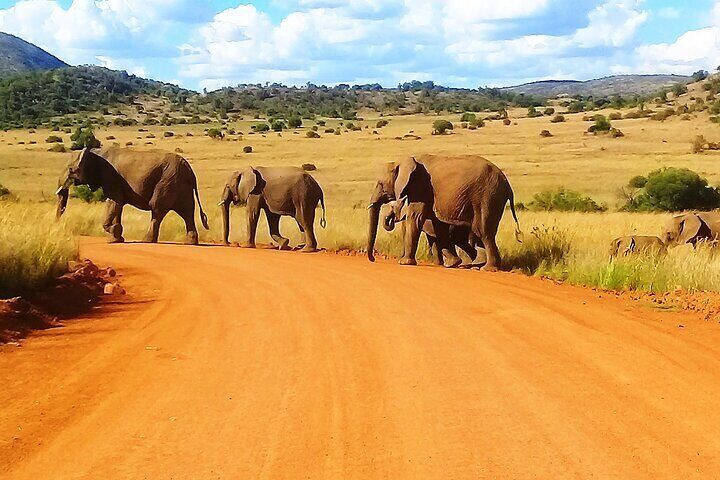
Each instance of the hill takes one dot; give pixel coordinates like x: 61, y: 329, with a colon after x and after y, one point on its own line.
x: 623, y: 85
x: 17, y: 55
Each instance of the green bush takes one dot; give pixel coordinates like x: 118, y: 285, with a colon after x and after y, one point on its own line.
x: 468, y: 117
x: 615, y: 116
x: 261, y: 127
x: 675, y: 189
x: 564, y: 200
x: 295, y: 121
x: 53, y: 139
x: 532, y: 112
x: 84, y: 138
x: 602, y: 124
x: 637, y: 181
x: 558, y: 119
x: 549, y: 111
x: 440, y: 127
x: 215, y: 133
x: 83, y: 192
x: 381, y: 123
x: 57, y: 148
x: 278, y: 126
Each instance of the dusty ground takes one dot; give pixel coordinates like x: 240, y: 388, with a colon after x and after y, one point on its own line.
x: 227, y: 363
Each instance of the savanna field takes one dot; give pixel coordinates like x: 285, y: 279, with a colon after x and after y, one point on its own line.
x: 569, y: 246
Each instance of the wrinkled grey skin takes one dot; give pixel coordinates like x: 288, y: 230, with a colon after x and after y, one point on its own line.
x: 448, y: 190
x: 458, y: 235
x: 150, y: 180
x: 692, y: 228
x: 277, y: 191
x: 635, y: 244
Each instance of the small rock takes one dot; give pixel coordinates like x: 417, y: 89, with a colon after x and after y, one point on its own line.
x: 113, y: 289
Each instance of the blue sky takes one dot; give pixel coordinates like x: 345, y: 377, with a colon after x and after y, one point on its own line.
x: 209, y: 44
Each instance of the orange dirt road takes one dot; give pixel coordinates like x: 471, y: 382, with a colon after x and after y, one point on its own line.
x: 225, y: 363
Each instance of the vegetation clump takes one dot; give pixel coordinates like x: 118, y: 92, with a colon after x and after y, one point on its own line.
x: 84, y: 138
x: 247, y: 149
x: 54, y: 139
x: 602, y: 124
x: 672, y: 190
x: 83, y: 192
x: 546, y: 133
x: 312, y: 134
x: 441, y: 127
x: 563, y: 200
x: 558, y: 119
x: 215, y: 134
x: 309, y: 167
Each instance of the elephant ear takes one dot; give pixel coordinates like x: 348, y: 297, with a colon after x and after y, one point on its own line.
x: 405, y: 170
x: 248, y: 182
x: 691, y: 227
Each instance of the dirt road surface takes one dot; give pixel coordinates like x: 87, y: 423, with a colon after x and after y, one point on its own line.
x: 236, y: 364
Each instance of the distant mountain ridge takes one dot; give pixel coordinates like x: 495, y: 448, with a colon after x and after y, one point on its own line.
x: 18, y: 56
x: 613, y: 85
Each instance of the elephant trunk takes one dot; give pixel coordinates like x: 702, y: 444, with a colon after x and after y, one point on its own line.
x: 62, y: 200
x: 389, y: 222
x: 225, y: 204
x: 374, y: 210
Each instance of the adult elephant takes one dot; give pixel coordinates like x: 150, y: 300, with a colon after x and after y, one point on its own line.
x: 277, y: 191
x: 448, y: 190
x: 459, y: 236
x: 151, y: 180
x: 692, y: 228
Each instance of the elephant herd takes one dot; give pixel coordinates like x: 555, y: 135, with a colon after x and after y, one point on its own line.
x: 688, y: 228
x: 457, y: 201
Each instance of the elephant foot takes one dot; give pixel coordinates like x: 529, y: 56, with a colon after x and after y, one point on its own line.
x: 489, y: 268
x: 408, y: 261
x: 453, y: 263
x: 247, y: 245
x: 284, y: 245
x: 309, y: 249
x: 192, y: 239
x: 117, y: 240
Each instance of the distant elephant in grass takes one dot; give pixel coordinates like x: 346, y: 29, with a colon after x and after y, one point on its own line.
x: 151, y: 180
x: 277, y: 191
x: 448, y: 190
x: 636, y: 244
x: 692, y: 228
x: 458, y: 235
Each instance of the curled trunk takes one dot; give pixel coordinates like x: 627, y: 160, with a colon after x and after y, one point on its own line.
x: 374, y: 210
x: 62, y: 195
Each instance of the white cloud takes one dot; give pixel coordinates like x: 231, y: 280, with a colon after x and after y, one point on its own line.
x: 691, y: 51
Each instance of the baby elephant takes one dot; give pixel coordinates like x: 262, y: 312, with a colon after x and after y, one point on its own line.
x: 635, y: 244
x: 457, y: 235
x: 277, y: 191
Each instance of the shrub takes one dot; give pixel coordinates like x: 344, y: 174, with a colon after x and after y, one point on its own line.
x: 558, y: 119
x: 546, y: 133
x: 295, y: 121
x: 84, y: 138
x: 278, y: 126
x: 506, y: 121
x: 616, y: 133
x: 544, y: 249
x: 247, y: 149
x: 57, y: 148
x: 381, y: 123
x: 674, y: 189
x: 128, y: 144
x: 564, y: 201
x: 663, y: 115
x: 261, y: 127
x: 602, y: 124
x: 440, y: 127
x: 53, y: 139
x: 532, y: 112
x: 549, y: 111
x: 321, y: 123
x: 110, y: 137
x: 215, y: 133
x: 4, y: 193
x: 615, y: 116
x: 330, y: 130
x: 168, y: 134
x: 84, y: 193
x: 468, y: 117
x: 312, y: 134
x: 309, y: 167
x: 637, y: 181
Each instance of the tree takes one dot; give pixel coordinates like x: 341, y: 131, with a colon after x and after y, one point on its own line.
x: 295, y: 121
x: 675, y: 189
x: 84, y: 138
x: 700, y: 75
x: 440, y: 127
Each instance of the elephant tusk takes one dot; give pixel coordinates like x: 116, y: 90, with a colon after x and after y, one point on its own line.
x: 59, y: 190
x: 221, y: 204
x: 370, y: 206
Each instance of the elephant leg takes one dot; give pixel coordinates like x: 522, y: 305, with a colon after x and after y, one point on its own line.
x: 435, y: 252
x: 308, y: 224
x: 113, y: 222
x: 485, y: 226
x: 190, y: 227
x: 444, y: 244
x: 157, y: 217
x: 412, y: 228
x: 253, y: 216
x: 273, y: 220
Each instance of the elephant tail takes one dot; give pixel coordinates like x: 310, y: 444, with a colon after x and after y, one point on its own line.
x: 203, y: 217
x: 518, y: 232
x: 323, y: 221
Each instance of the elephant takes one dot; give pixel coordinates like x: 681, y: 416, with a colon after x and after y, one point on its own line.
x: 449, y: 190
x: 458, y: 235
x: 151, y: 180
x: 635, y: 244
x: 277, y: 191
x: 692, y: 228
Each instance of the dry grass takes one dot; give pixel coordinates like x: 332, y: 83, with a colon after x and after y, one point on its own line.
x: 348, y: 165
